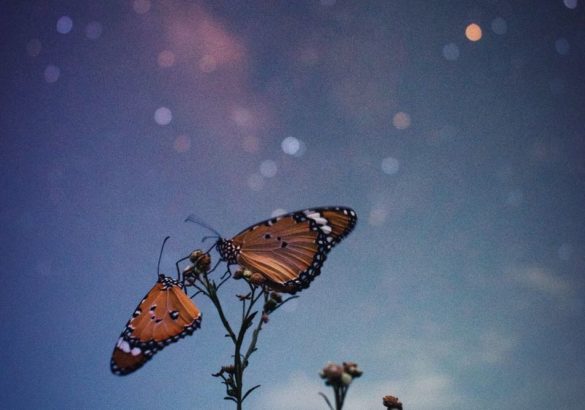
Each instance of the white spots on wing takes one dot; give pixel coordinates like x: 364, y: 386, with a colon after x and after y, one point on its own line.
x: 319, y: 220
x: 136, y: 351
x: 330, y: 239
x: 124, y: 346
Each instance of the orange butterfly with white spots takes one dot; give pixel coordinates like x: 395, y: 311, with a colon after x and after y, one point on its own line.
x: 165, y: 315
x: 287, y: 252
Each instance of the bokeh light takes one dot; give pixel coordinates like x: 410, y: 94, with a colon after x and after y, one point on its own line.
x: 562, y: 46
x: 473, y: 32
x: 268, y: 168
x: 33, y: 47
x: 390, y: 165
x: 182, y: 143
x: 94, y: 30
x: 64, y: 24
x: 291, y: 146
x: 166, y: 58
x: 163, y: 116
x: 256, y: 182
x: 141, y: 6
x: 401, y: 120
x: 52, y: 73
x: 570, y: 4
x: 499, y: 26
x: 451, y: 52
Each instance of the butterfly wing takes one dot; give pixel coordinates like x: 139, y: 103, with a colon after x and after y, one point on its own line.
x: 165, y: 315
x: 289, y: 250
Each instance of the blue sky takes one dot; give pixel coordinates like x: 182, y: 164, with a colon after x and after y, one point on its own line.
x: 462, y: 284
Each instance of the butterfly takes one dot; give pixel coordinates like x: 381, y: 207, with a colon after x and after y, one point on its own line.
x: 287, y: 252
x: 165, y: 315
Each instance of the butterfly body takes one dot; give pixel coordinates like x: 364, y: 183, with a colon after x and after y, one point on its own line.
x: 288, y: 251
x: 165, y: 315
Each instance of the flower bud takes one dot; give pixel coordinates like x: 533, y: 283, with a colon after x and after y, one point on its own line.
x: 200, y: 260
x: 346, y: 379
x: 352, y: 369
x: 238, y: 274
x: 332, y: 373
x: 391, y: 402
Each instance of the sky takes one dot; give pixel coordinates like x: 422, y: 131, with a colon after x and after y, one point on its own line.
x: 454, y: 129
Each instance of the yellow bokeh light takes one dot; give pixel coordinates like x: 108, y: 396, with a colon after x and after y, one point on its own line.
x: 473, y: 32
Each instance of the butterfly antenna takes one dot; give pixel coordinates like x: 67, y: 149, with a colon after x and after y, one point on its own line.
x: 209, y: 237
x: 193, y: 218
x: 161, y: 252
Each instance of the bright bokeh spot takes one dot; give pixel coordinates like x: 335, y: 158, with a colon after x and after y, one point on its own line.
x: 141, y: 6
x: 256, y: 182
x: 52, y: 73
x: 473, y: 32
x: 33, y: 47
x: 401, y: 120
x: 451, y: 52
x: 562, y: 46
x: 291, y: 145
x: 166, y: 58
x: 570, y: 4
x: 390, y: 165
x: 268, y: 168
x: 499, y: 26
x: 93, y: 30
x: 163, y: 116
x: 182, y: 143
x: 64, y: 25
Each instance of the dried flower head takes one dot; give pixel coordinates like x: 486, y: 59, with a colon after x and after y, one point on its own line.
x: 265, y: 318
x: 352, y: 369
x: 391, y: 402
x: 201, y: 263
x: 331, y: 373
x: 238, y: 274
x: 200, y: 260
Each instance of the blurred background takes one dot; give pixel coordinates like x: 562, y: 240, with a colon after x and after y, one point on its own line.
x: 454, y: 129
